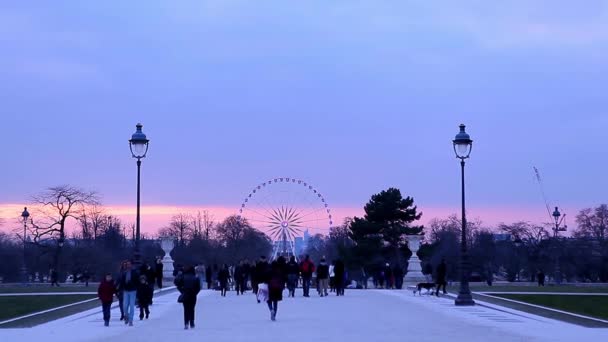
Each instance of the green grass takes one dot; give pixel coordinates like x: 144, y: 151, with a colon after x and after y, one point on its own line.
x: 541, y: 312
x: 15, y: 306
x: 593, y: 306
x: 46, y: 288
x: 520, y: 288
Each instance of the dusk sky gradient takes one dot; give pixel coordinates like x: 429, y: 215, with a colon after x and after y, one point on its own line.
x: 352, y: 96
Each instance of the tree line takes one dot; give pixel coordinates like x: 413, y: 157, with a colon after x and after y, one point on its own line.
x: 514, y: 252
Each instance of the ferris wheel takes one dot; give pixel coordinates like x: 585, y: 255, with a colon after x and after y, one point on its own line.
x: 284, y: 208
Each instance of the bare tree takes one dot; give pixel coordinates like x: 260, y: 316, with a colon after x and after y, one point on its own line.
x: 179, y: 227
x: 56, y: 206
x: 525, y: 231
x: 92, y: 221
x: 593, y: 223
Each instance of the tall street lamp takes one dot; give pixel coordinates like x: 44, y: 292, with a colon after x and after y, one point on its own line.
x: 558, y: 218
x: 139, y: 147
x: 25, y: 215
x: 462, y: 147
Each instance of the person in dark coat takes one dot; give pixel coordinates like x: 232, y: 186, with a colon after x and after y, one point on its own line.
x: 259, y: 274
x: 188, y: 286
x: 223, y: 277
x: 541, y: 278
x: 54, y: 278
x: 105, y: 292
x: 293, y: 273
x: 442, y: 271
x: 339, y: 273
x: 239, y: 278
x: 398, y: 274
x: 86, y: 276
x: 145, y: 292
x: 158, y: 270
x: 209, y: 276
x: 323, y: 277
x: 119, y: 290
x: 276, y: 283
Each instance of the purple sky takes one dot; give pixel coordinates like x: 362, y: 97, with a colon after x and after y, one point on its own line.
x: 353, y: 96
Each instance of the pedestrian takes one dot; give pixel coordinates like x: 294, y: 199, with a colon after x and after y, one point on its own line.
x: 129, y: 283
x: 259, y: 274
x: 119, y: 290
x: 208, y: 276
x: 276, y: 283
x: 239, y: 278
x: 323, y: 277
x: 54, y: 278
x: 340, y: 277
x: 363, y: 278
x: 223, y: 277
x: 332, y: 277
x: 541, y: 278
x: 398, y: 275
x: 200, y: 273
x: 388, y: 276
x: 293, y: 273
x: 489, y: 275
x: 144, y: 295
x: 307, y: 267
x: 105, y: 293
x: 158, y: 269
x: 86, y: 276
x: 441, y: 277
x: 188, y: 286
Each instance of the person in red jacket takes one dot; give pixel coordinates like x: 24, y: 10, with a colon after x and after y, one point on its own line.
x: 307, y: 268
x: 105, y: 292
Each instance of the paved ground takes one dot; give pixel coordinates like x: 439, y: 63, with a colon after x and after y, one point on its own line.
x: 372, y: 315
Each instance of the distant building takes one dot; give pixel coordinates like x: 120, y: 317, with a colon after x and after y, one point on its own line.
x: 299, y: 241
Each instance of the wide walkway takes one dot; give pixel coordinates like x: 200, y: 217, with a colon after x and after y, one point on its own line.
x: 371, y: 315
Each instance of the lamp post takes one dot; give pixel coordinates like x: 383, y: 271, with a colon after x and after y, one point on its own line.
x: 558, y: 218
x: 25, y: 215
x: 462, y: 147
x: 139, y: 147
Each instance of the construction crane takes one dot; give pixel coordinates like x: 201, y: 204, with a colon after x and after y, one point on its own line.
x: 555, y: 216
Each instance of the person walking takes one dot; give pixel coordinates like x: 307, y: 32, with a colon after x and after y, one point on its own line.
x: 332, y: 277
x: 119, y: 290
x: 54, y: 277
x: 398, y: 275
x: 105, y: 293
x: 199, y: 270
x: 129, y: 283
x: 188, y: 286
x: 276, y: 283
x: 293, y: 273
x: 86, y: 276
x: 208, y: 276
x: 541, y: 278
x: 158, y: 269
x: 223, y: 277
x: 340, y: 277
x: 323, y: 277
x: 307, y: 267
x: 441, y: 282
x: 145, y: 292
x: 239, y: 278
x: 259, y: 274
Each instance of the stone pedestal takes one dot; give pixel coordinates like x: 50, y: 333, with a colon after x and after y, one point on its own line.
x: 167, y: 245
x: 414, y: 270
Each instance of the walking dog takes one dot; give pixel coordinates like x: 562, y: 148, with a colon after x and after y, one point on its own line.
x: 429, y: 287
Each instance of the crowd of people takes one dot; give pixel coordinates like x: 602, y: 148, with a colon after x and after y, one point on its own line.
x: 134, y: 286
